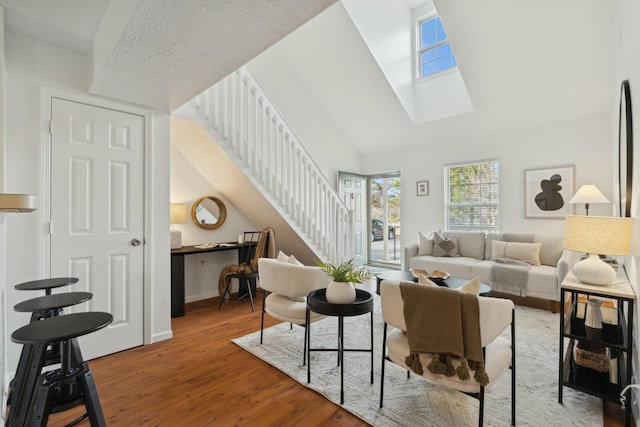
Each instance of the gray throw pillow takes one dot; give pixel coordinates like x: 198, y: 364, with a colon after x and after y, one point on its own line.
x: 443, y: 246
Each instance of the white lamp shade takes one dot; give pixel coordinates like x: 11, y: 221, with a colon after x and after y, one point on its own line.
x: 588, y: 193
x: 178, y: 214
x: 598, y: 235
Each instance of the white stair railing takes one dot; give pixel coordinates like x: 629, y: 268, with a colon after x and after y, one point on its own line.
x: 240, y: 117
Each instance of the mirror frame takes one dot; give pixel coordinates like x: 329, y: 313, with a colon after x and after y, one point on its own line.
x: 221, y: 217
x: 625, y: 151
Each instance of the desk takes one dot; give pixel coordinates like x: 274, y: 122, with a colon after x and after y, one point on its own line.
x: 177, y: 272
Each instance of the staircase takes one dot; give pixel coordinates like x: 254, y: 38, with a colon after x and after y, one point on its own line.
x: 244, y: 123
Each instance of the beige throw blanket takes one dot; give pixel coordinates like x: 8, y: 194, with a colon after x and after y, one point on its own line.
x: 446, y: 323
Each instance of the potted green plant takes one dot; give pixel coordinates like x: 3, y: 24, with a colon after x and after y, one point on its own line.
x: 341, y: 288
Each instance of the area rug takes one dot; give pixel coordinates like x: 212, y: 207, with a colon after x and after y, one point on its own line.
x: 416, y: 402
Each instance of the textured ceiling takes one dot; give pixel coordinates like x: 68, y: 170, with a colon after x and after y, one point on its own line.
x: 172, y: 50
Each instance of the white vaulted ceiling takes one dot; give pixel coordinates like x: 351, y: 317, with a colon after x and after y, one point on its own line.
x: 523, y: 64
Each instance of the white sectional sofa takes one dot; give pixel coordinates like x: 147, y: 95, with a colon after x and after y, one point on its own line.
x: 475, y: 257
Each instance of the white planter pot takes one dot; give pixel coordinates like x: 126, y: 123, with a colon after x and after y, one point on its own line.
x: 341, y: 292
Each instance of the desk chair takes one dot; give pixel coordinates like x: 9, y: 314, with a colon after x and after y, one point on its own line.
x: 254, y: 247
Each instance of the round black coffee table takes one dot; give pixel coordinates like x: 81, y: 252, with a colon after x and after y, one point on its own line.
x: 46, y: 284
x: 317, y: 302
x: 407, y: 276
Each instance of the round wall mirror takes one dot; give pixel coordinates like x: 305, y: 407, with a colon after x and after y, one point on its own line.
x: 209, y: 212
x: 625, y: 151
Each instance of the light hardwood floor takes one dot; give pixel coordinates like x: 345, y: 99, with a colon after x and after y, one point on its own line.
x: 200, y: 378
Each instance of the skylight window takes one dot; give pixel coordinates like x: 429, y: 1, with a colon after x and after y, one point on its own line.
x: 435, y: 54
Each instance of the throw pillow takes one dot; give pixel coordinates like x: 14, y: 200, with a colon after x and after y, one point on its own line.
x: 425, y: 244
x: 444, y: 247
x: 527, y: 252
x: 282, y: 257
x: 292, y: 260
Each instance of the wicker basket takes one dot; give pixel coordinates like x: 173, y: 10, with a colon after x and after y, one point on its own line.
x: 592, y: 356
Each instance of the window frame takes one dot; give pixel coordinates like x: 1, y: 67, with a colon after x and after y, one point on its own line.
x: 420, y: 50
x: 448, y: 205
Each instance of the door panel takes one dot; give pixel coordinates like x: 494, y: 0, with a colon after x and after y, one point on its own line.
x: 97, y: 210
x: 353, y: 191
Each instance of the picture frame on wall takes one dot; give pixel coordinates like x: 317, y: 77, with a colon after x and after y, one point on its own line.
x: 547, y: 192
x: 422, y: 188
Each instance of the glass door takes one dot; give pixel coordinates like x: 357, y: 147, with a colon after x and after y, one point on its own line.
x: 385, y: 238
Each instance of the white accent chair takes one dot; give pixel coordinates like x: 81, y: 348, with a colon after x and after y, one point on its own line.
x: 288, y: 285
x: 499, y: 352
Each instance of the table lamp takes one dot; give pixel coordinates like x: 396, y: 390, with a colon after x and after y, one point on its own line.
x: 597, y: 235
x: 587, y: 194
x: 177, y: 215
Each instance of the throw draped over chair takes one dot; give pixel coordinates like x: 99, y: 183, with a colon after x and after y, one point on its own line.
x: 288, y: 285
x: 498, y: 352
x: 256, y: 245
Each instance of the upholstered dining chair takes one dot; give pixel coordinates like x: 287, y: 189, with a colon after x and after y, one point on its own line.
x: 493, y: 315
x: 255, y: 246
x: 288, y: 284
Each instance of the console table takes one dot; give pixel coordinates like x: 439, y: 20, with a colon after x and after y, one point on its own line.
x: 177, y: 272
x: 617, y: 336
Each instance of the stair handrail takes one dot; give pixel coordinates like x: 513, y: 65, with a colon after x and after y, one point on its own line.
x: 248, y: 126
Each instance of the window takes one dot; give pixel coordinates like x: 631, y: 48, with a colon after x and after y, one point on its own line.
x: 471, y: 196
x: 435, y: 53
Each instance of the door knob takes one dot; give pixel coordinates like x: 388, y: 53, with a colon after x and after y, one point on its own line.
x: 135, y: 242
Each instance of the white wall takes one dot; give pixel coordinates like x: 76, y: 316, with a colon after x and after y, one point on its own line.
x: 582, y: 143
x: 31, y: 64
x: 202, y: 270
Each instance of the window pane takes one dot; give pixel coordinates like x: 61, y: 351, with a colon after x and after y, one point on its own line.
x: 435, y: 53
x: 472, y: 199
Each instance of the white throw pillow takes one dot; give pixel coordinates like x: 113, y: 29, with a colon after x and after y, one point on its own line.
x: 527, y: 252
x: 292, y: 260
x: 425, y: 244
x: 282, y: 257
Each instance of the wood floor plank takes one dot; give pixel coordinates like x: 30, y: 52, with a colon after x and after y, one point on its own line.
x: 200, y: 378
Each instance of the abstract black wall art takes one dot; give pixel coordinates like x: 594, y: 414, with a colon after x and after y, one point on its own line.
x: 547, y: 192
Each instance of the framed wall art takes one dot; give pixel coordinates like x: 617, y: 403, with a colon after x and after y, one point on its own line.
x: 422, y: 188
x: 547, y: 192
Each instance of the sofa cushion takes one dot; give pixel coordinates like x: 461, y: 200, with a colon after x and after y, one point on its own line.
x: 527, y: 252
x: 470, y: 243
x: 444, y: 246
x: 551, y: 250
x: 425, y: 243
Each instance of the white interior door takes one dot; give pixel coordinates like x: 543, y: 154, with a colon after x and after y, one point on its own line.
x: 353, y: 191
x: 97, y: 216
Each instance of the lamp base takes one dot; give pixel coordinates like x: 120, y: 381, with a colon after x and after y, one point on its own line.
x: 593, y: 271
x: 176, y: 239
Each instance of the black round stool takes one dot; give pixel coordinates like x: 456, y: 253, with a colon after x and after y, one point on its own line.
x: 46, y: 284
x: 41, y: 308
x: 43, y: 393
x: 51, y: 305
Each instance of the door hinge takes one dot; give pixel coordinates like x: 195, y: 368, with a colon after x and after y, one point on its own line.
x: 50, y: 227
x: 51, y: 127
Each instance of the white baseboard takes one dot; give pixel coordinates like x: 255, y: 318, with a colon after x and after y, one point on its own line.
x: 161, y: 336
